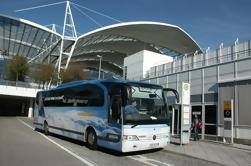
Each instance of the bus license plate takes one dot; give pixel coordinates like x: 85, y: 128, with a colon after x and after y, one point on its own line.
x: 154, y: 145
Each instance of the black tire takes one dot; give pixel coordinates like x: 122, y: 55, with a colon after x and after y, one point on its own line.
x: 92, y: 139
x: 46, y: 128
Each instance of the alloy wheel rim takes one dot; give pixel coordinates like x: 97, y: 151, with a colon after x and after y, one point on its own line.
x: 91, y: 138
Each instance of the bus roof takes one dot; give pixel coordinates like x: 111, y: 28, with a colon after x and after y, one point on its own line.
x: 128, y: 81
x: 74, y: 83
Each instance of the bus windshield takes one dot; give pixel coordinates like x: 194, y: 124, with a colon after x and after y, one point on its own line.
x: 145, y: 105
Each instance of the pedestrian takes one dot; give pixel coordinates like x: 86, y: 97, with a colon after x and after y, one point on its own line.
x: 196, y: 125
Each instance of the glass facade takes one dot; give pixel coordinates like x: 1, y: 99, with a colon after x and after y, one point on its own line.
x: 18, y: 37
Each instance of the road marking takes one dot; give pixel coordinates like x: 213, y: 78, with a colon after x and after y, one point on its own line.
x: 89, y: 163
x: 139, y: 158
x: 148, y: 161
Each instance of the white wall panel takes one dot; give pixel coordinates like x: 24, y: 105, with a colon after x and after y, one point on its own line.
x: 241, y: 50
x: 210, y: 79
x: 212, y: 57
x: 196, y: 82
x: 183, y: 77
x: 172, y: 81
x: 163, y: 81
x: 226, y: 71
x: 244, y: 68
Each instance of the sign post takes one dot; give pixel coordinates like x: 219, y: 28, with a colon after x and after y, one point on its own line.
x: 228, y: 120
x: 185, y: 114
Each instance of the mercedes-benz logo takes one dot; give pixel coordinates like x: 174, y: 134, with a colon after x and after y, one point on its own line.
x: 154, y: 137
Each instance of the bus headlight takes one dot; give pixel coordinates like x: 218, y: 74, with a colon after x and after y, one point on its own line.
x: 130, y: 138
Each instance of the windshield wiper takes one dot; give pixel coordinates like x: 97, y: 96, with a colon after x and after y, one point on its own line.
x: 134, y: 126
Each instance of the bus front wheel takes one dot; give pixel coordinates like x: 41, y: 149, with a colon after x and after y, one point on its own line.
x: 92, y: 139
x: 46, y: 128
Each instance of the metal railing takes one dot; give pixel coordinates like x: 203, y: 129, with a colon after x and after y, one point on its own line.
x: 198, y: 64
x: 20, y: 84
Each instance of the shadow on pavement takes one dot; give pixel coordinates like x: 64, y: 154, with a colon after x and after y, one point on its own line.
x: 101, y: 149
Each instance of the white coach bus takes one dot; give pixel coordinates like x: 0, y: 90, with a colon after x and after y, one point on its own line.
x: 95, y: 112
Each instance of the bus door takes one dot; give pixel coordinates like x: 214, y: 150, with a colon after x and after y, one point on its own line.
x: 115, y: 103
x: 115, y: 109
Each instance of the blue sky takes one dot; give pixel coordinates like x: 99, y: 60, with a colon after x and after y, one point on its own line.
x: 209, y: 22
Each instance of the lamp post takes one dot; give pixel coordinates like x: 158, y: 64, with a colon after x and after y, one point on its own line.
x: 100, y: 57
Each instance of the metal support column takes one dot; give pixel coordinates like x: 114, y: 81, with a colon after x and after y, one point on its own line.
x: 236, y: 101
x: 30, y: 113
x: 203, y: 105
x: 207, y: 56
x: 178, y: 121
x: 99, y: 69
x: 71, y: 25
x: 173, y: 114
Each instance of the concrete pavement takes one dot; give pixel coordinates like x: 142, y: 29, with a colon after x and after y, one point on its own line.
x: 220, y: 154
x: 20, y: 146
x: 232, y: 155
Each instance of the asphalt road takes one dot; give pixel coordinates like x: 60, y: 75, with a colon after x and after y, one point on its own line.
x: 21, y: 145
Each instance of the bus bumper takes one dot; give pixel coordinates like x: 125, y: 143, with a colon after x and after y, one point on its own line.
x: 130, y: 146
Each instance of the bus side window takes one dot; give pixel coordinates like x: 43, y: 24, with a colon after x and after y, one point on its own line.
x: 115, y: 109
x: 89, y: 95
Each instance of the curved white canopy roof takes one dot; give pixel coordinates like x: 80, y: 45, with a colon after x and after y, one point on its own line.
x: 120, y: 40
x: 161, y: 34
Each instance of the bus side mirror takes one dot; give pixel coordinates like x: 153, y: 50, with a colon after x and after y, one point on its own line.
x: 176, y: 93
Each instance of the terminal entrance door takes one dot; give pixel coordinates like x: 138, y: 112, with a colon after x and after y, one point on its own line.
x: 177, y: 120
x: 210, y: 120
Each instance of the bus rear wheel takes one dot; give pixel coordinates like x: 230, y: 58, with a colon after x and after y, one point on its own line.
x: 46, y: 128
x: 92, y: 139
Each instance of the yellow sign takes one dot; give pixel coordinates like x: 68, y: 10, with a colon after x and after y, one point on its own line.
x: 84, y: 114
x: 227, y: 105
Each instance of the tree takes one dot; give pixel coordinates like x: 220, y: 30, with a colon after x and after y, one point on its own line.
x: 43, y: 73
x: 17, y: 68
x: 73, y: 73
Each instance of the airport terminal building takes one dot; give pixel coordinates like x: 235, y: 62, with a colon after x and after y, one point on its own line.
x: 215, y: 76
x: 156, y: 52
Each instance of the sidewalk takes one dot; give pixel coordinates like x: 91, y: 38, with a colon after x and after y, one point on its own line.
x: 233, y: 155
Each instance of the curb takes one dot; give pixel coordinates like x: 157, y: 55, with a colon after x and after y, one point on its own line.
x: 190, y: 156
x: 227, y: 145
